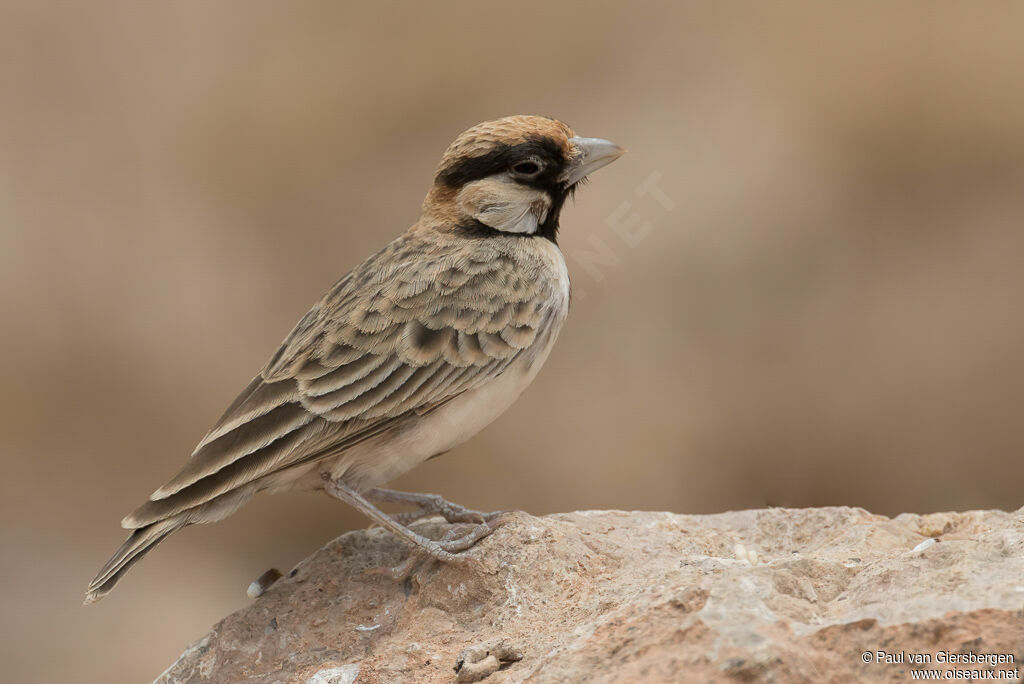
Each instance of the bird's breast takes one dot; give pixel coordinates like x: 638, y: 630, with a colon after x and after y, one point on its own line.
x: 381, y: 459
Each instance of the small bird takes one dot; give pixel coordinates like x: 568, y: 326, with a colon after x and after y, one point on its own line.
x: 409, y: 355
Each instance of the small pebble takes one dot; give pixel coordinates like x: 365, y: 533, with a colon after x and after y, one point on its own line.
x: 930, y: 541
x: 263, y: 583
x: 744, y: 554
x: 346, y: 674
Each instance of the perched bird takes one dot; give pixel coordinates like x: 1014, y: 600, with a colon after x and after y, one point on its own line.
x: 410, y: 354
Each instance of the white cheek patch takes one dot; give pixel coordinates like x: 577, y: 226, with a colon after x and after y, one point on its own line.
x: 505, y: 205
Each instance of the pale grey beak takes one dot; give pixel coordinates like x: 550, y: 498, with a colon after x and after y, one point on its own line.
x: 593, y: 154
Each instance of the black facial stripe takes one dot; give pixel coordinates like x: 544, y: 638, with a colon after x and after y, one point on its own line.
x: 549, y: 229
x: 502, y: 157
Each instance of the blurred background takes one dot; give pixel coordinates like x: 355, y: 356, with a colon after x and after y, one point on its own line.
x: 802, y: 287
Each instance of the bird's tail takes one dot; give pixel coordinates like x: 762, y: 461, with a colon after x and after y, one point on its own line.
x: 138, y: 544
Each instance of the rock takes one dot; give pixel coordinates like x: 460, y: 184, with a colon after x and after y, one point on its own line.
x: 778, y: 595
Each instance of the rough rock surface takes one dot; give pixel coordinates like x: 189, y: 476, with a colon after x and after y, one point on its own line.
x: 786, y: 595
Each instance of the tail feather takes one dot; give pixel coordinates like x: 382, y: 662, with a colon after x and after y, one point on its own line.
x: 138, y: 544
x: 148, y: 535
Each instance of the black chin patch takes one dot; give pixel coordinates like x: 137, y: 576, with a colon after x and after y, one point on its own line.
x: 549, y: 229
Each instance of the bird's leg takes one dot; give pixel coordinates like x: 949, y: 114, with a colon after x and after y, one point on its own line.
x: 429, y: 504
x: 444, y: 550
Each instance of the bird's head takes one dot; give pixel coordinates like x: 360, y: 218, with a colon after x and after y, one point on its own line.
x: 512, y: 175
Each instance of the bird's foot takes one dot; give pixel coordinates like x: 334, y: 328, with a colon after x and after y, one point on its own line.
x: 455, y: 543
x: 430, y: 504
x: 447, y: 549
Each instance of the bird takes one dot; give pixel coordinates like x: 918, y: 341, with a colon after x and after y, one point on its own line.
x: 407, y: 356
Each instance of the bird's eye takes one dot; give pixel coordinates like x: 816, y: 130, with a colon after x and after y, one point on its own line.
x: 526, y: 169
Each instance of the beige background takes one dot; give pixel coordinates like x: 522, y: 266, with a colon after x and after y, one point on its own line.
x: 830, y: 312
